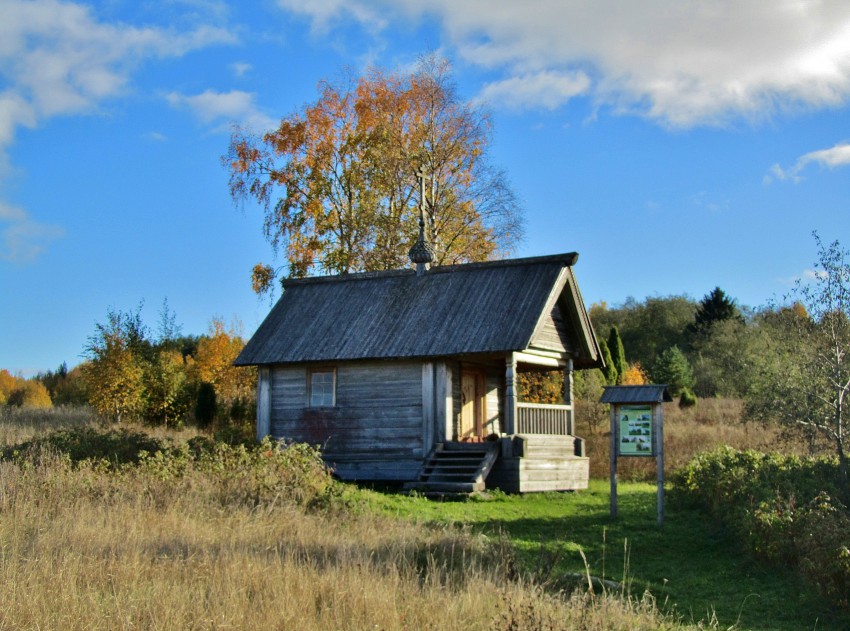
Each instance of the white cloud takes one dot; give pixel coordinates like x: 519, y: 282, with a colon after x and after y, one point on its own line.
x: 681, y: 63
x: 836, y: 156
x: 804, y: 278
x: 545, y: 89
x: 240, y: 68
x: 234, y: 106
x: 22, y: 239
x: 56, y: 58
x: 327, y: 13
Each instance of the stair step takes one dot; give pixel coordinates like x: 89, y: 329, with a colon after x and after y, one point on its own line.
x: 456, y: 468
x: 454, y: 465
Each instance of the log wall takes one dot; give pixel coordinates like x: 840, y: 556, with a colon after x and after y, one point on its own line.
x: 375, y: 430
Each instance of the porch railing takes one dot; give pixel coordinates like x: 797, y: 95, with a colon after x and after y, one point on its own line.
x: 540, y: 418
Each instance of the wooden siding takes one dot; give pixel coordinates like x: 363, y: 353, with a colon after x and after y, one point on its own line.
x: 377, y: 419
x: 541, y: 463
x: 554, y: 332
x: 493, y: 397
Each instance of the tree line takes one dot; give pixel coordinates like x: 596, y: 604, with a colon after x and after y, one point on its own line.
x: 133, y: 373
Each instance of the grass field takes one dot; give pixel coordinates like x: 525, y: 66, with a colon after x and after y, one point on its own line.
x: 87, y: 547
x: 689, y: 565
x: 170, y: 545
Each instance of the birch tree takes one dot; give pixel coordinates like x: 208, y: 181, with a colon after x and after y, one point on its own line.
x: 802, y: 376
x: 336, y: 180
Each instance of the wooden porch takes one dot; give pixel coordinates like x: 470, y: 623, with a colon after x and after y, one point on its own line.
x: 543, y: 418
x: 543, y: 455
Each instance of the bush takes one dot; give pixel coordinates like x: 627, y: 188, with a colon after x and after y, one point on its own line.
x: 114, y: 447
x: 687, y: 399
x: 31, y: 394
x: 783, y: 508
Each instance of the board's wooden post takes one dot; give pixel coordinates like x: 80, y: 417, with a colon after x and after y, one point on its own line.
x: 659, y: 463
x: 614, y: 460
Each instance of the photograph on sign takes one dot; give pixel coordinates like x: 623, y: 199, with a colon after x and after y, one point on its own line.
x: 635, y: 435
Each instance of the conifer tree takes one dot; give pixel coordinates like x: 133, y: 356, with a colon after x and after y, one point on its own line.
x: 673, y: 369
x: 714, y: 307
x: 610, y: 370
x: 618, y: 353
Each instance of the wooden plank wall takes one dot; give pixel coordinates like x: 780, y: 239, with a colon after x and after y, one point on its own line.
x: 542, y: 463
x: 376, y: 427
x: 554, y: 333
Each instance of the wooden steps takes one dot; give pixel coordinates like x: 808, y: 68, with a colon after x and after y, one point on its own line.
x: 456, y: 468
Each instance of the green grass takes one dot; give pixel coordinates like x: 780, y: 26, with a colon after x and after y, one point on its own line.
x: 690, y: 565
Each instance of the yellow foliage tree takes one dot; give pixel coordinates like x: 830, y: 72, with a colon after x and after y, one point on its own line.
x: 337, y: 179
x: 634, y: 375
x: 541, y: 387
x: 114, y: 376
x: 8, y: 384
x: 31, y: 394
x: 164, y: 378
x: 213, y: 363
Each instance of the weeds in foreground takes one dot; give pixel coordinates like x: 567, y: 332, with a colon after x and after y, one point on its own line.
x: 200, y: 535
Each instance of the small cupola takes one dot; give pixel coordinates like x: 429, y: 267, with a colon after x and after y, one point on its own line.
x: 422, y: 254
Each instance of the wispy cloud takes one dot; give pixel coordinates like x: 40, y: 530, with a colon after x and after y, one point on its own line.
x: 804, y: 277
x: 681, y: 63
x: 837, y: 156
x: 57, y: 58
x: 545, y: 89
x: 240, y: 69
x: 212, y: 107
x: 22, y: 239
x: 703, y: 200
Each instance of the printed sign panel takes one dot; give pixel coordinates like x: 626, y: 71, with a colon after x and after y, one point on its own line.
x: 635, y: 425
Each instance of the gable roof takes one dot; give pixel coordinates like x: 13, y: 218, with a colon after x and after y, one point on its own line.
x: 649, y: 393
x: 473, y: 308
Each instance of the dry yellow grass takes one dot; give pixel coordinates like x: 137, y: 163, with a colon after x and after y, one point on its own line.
x: 82, y: 547
x: 687, y: 432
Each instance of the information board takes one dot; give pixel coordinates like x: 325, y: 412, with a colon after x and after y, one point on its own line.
x: 635, y: 430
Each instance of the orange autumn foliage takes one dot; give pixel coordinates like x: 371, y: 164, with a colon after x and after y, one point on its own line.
x: 635, y: 375
x: 336, y: 179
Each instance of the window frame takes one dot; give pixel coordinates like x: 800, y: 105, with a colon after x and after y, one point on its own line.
x: 317, y: 371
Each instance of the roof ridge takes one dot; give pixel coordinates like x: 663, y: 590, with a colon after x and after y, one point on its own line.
x: 568, y: 259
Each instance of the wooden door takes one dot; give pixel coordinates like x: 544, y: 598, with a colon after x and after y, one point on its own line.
x: 472, y: 405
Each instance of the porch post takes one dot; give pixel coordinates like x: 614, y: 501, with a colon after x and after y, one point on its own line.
x: 510, y: 395
x: 568, y: 393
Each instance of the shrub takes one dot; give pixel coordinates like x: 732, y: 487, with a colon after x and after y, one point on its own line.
x: 31, y: 394
x: 783, y: 508
x: 114, y: 447
x: 687, y: 399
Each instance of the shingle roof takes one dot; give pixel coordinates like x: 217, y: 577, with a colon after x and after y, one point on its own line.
x: 452, y: 310
x: 636, y: 394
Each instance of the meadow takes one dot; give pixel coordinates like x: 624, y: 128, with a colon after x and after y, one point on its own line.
x: 201, y: 535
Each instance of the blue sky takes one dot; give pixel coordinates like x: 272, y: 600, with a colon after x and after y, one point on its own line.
x: 677, y: 146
